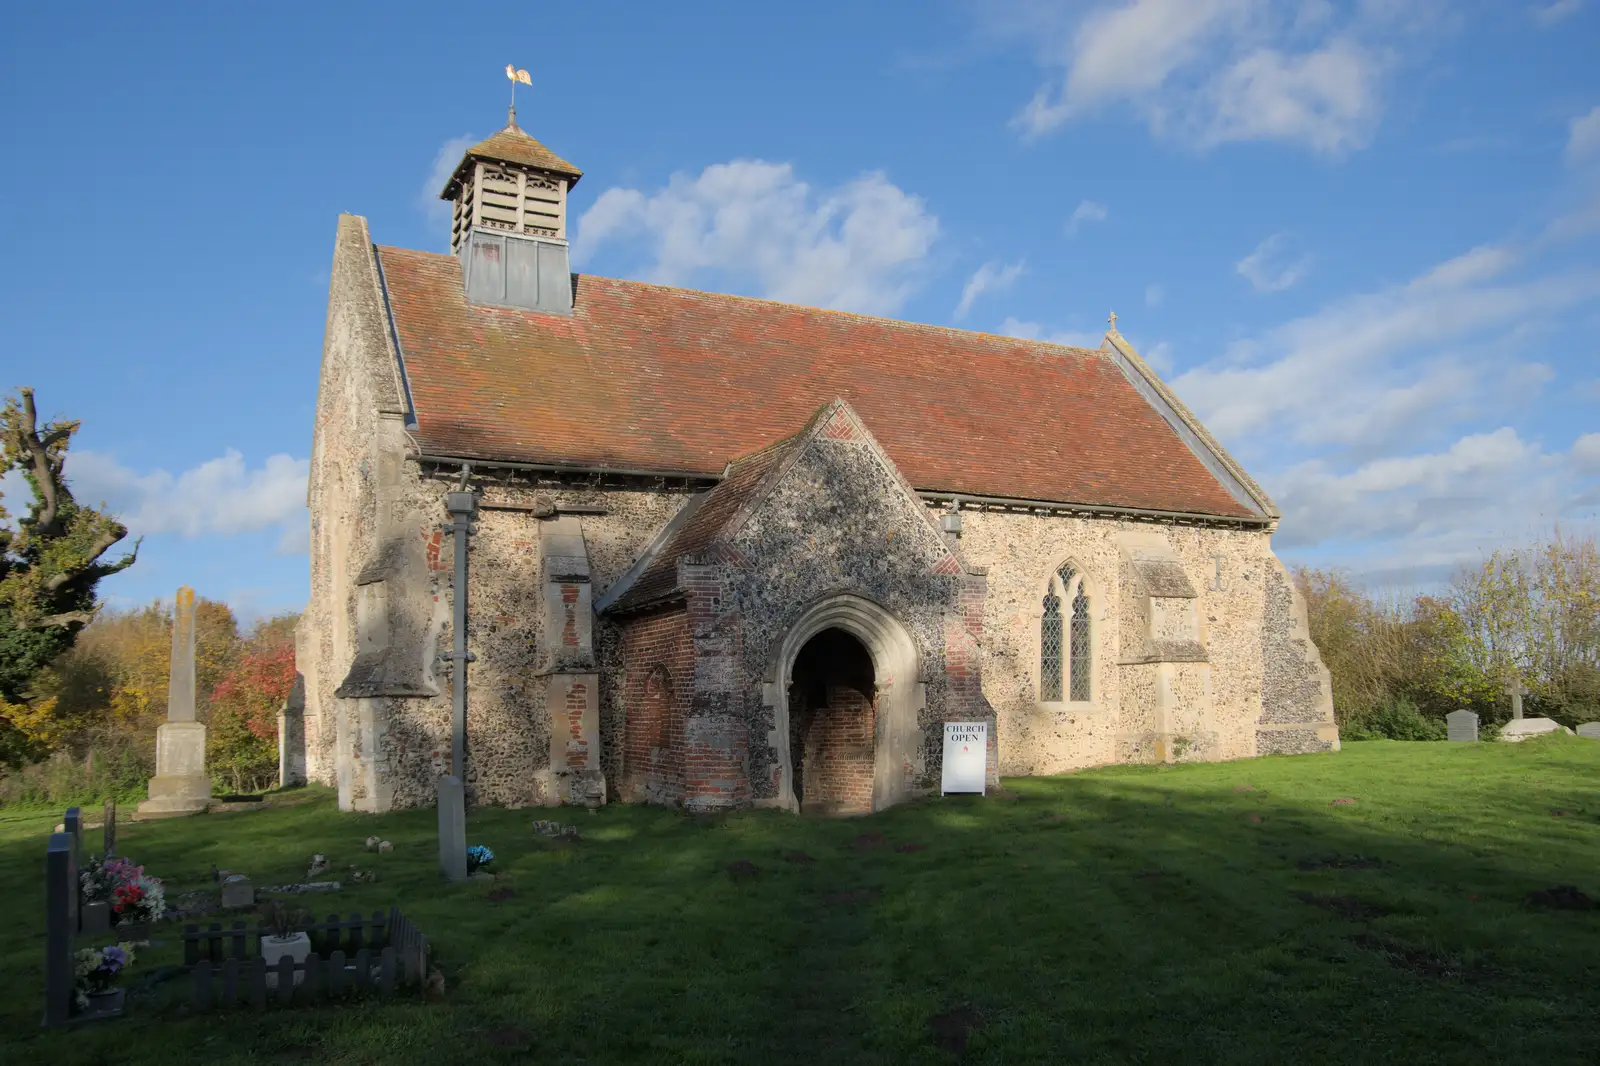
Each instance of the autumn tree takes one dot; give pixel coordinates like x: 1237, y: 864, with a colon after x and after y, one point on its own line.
x: 50, y: 565
x: 242, y: 744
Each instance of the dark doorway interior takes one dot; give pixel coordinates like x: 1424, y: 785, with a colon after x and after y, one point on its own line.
x: 832, y: 725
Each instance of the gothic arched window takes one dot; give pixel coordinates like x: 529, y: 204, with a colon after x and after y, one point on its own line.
x: 1064, y: 645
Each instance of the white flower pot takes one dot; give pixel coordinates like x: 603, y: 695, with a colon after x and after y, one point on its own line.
x: 296, y: 945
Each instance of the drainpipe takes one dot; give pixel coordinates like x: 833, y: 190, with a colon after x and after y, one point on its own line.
x: 462, y: 505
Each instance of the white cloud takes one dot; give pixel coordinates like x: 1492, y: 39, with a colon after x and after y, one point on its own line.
x: 1583, y: 136
x: 444, y: 164
x: 1364, y: 367
x: 862, y: 247
x: 1208, y: 72
x: 219, y: 497
x: 990, y: 277
x: 1153, y: 295
x: 1326, y: 99
x: 1275, y: 264
x: 1159, y: 357
x: 1086, y: 211
x: 1033, y: 331
x: 1433, y: 510
x: 1586, y: 453
x: 1560, y: 11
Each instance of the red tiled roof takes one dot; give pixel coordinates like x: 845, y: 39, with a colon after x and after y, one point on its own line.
x: 647, y: 377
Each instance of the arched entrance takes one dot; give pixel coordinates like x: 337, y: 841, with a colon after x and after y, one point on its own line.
x: 864, y: 653
x: 833, y: 725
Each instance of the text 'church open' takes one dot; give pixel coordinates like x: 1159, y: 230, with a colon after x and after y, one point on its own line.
x: 731, y: 552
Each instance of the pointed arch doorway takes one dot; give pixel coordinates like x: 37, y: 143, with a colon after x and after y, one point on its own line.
x: 847, y: 694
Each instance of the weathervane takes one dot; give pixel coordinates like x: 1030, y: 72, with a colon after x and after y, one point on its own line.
x: 516, y: 75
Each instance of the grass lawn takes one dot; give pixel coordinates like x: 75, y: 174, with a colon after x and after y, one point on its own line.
x: 1129, y: 914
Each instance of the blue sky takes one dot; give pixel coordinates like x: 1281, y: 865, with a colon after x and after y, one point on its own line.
x: 1361, y: 239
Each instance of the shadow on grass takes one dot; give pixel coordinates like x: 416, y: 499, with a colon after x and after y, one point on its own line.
x: 1129, y: 915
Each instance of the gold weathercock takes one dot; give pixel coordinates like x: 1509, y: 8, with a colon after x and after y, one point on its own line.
x: 516, y: 75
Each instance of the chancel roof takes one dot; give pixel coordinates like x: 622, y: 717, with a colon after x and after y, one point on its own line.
x: 650, y: 378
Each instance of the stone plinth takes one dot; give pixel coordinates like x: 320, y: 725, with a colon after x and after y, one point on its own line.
x: 1520, y: 729
x: 1590, y: 730
x: 180, y: 785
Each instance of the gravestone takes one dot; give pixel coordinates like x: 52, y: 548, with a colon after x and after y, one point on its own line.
x: 237, y: 891
x: 108, y: 824
x: 452, y: 828
x: 1515, y: 690
x: 72, y: 825
x: 61, y: 922
x: 292, y: 736
x: 180, y: 785
x: 1462, y: 725
x: 1590, y: 730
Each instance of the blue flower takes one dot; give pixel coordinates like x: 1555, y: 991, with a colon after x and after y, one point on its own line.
x: 477, y: 856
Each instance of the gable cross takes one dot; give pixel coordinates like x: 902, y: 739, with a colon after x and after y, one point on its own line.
x: 1112, y: 320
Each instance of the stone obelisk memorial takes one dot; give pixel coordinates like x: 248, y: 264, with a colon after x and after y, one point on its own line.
x: 180, y: 785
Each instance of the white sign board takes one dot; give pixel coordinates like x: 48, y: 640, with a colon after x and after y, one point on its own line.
x: 966, y: 750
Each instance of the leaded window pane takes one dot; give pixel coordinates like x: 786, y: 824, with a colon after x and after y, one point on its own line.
x: 1050, y: 650
x: 1080, y: 656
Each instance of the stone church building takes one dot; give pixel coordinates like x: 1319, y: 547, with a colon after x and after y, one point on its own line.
x: 732, y: 552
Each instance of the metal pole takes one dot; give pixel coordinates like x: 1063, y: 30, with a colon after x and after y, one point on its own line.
x: 463, y: 506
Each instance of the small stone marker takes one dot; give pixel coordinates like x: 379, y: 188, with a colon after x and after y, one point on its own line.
x: 966, y: 756
x: 1462, y: 726
x: 95, y: 918
x: 452, y: 828
x: 1590, y: 730
x: 237, y: 891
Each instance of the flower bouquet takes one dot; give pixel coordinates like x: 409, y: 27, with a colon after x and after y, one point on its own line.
x: 95, y: 973
x: 479, y: 859
x: 134, y: 896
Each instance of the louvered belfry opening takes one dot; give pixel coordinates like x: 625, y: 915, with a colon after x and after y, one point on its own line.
x: 509, y: 222
x: 833, y: 725
x: 509, y: 199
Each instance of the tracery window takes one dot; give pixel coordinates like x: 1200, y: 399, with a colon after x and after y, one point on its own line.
x: 1065, y: 655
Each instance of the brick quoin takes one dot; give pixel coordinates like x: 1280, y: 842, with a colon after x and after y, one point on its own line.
x: 577, y: 749
x: 569, y: 628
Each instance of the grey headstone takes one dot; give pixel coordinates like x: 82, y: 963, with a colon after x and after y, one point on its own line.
x: 452, y: 828
x: 61, y: 921
x: 96, y: 918
x: 1462, y: 725
x: 292, y: 736
x: 1590, y: 730
x: 237, y: 891
x: 72, y: 825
